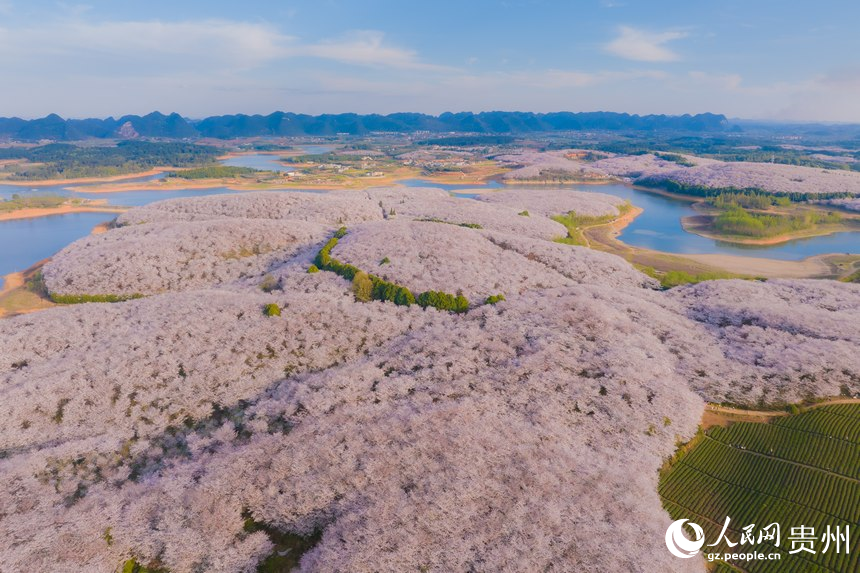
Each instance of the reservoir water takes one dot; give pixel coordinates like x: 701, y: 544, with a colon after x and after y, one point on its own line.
x: 28, y: 241
x: 659, y: 227
x: 25, y: 242
x: 261, y: 161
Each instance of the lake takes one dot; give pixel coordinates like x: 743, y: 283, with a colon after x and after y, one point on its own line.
x: 261, y: 161
x: 25, y: 242
x: 28, y: 241
x: 659, y: 225
x: 659, y: 228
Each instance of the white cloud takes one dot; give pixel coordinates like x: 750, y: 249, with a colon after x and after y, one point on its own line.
x: 82, y: 44
x: 642, y: 46
x: 367, y: 48
x: 75, y: 43
x: 76, y: 65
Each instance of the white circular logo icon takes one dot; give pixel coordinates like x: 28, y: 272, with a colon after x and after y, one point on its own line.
x: 677, y: 542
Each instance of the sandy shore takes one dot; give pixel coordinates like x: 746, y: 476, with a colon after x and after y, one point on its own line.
x: 615, y: 227
x: 101, y: 228
x: 56, y: 182
x: 812, y: 267
x: 61, y: 210
x: 165, y: 186
x: 180, y: 185
x: 16, y: 299
x: 605, y: 237
x: 238, y: 185
x: 11, y: 282
x: 119, y: 178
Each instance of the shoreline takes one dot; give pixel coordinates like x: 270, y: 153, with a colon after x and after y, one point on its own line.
x: 12, y: 281
x: 602, y: 237
x: 35, y: 213
x: 814, y: 267
x: 606, y: 235
x: 110, y: 179
x: 696, y: 226
x: 238, y: 186
x: 202, y: 184
x: 102, y: 228
x: 16, y: 299
x: 136, y: 175
x: 615, y: 226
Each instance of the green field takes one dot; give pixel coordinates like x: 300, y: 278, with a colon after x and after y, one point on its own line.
x: 801, y: 470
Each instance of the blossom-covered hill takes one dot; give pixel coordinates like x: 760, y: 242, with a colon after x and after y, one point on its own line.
x: 694, y: 172
x: 524, y: 435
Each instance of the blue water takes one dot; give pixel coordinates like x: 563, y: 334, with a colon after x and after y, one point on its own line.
x: 659, y: 226
x: 25, y: 242
x: 6, y: 191
x: 129, y: 198
x: 261, y: 161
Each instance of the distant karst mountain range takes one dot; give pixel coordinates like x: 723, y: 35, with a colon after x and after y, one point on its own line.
x: 174, y: 126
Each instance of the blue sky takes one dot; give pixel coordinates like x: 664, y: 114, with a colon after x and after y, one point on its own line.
x: 761, y: 59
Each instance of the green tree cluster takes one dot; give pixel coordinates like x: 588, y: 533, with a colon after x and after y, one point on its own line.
x: 59, y: 160
x: 83, y: 298
x: 381, y: 289
x: 17, y: 202
x: 272, y: 309
x: 738, y: 221
x: 132, y: 566
x: 703, y: 191
x: 362, y: 287
x: 750, y: 200
x: 215, y: 172
x: 443, y: 301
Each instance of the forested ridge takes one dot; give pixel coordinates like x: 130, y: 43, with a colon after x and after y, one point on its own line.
x: 54, y: 127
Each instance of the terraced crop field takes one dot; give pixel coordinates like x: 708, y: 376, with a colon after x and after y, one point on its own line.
x: 801, y: 470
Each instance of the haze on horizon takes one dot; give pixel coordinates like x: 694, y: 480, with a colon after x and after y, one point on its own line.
x: 759, y: 60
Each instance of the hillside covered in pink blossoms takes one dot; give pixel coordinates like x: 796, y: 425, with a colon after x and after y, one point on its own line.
x: 702, y: 172
x: 524, y: 435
